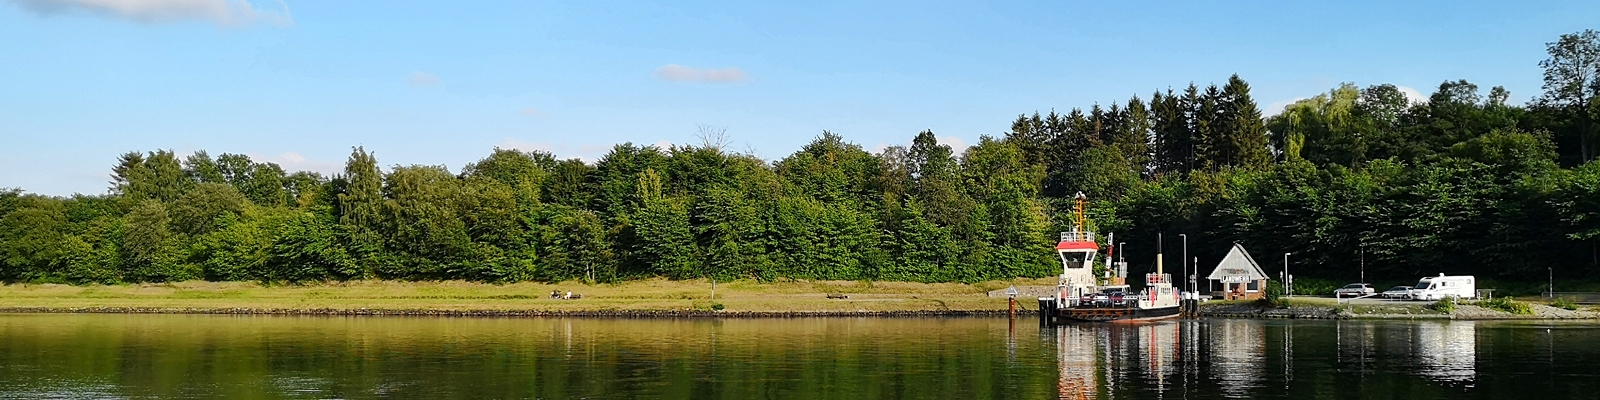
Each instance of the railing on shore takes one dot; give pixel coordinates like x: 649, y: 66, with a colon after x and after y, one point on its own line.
x: 1576, y: 297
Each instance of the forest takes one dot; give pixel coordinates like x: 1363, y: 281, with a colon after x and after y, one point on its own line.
x: 1357, y: 177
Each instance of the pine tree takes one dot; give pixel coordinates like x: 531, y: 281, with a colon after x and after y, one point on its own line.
x: 1133, y: 134
x: 1210, y: 127
x: 1247, y: 136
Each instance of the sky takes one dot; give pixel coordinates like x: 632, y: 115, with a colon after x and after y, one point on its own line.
x: 301, y: 83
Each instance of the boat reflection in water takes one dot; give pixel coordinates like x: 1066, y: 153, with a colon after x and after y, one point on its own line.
x: 1241, y: 358
x: 1089, y: 354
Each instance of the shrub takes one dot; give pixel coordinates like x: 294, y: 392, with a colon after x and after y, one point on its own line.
x: 1446, y: 305
x: 1564, y: 303
x: 1508, y: 305
x: 1274, y: 296
x: 1315, y: 287
x: 716, y: 307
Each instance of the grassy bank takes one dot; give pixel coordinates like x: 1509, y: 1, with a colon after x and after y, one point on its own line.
x: 637, y: 296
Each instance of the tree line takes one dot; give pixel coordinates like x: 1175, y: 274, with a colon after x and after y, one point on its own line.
x: 1462, y: 182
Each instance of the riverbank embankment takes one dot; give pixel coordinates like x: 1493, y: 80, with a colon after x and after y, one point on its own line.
x: 654, y: 298
x: 645, y: 298
x: 1329, y: 308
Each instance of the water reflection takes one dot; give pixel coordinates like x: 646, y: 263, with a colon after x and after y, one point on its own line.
x: 1237, y: 353
x: 153, y: 356
x: 1446, y: 351
x: 1237, y: 358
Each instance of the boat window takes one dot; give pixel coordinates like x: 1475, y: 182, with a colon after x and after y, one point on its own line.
x: 1075, y: 260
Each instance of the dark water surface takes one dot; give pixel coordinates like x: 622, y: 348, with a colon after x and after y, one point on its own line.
x: 248, y: 357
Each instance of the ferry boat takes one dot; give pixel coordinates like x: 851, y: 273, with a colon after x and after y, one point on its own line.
x: 1081, y: 296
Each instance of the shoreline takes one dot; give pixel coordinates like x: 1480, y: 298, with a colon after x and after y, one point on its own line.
x: 511, y: 312
x: 654, y: 299
x: 1316, y: 308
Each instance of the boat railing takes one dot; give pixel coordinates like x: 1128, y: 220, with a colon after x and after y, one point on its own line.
x: 1158, y: 278
x: 1077, y: 236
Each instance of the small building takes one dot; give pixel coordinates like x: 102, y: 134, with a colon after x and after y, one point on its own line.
x: 1239, y: 276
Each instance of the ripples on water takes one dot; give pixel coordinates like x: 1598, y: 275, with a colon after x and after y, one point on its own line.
x: 185, y: 356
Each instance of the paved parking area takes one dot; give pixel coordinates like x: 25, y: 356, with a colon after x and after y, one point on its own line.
x: 1367, y: 301
x: 1380, y: 301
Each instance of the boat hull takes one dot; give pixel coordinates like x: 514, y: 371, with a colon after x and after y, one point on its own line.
x: 1116, y: 314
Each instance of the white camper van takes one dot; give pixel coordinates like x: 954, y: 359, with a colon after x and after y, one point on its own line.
x: 1439, y: 287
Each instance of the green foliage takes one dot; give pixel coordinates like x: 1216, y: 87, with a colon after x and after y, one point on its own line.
x: 1564, y: 303
x: 1445, y: 305
x: 1365, y: 181
x: 1507, y: 304
x: 1275, y: 294
x: 1315, y: 286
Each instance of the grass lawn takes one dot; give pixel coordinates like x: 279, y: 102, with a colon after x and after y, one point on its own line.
x: 645, y: 295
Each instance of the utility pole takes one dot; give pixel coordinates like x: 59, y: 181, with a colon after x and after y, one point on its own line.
x: 1185, y: 237
x: 1363, y: 264
x: 1288, y: 280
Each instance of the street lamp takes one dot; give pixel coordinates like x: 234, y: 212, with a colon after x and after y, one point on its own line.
x: 1122, y: 252
x: 1363, y: 263
x: 1185, y: 237
x: 1288, y: 280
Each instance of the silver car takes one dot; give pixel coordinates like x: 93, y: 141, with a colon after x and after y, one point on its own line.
x: 1354, y: 290
x: 1397, y: 292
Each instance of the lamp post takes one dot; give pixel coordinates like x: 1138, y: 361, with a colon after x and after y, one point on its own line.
x: 1363, y: 263
x: 1288, y: 280
x: 1552, y: 271
x: 1185, y: 237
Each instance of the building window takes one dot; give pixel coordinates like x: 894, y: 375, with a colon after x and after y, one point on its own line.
x: 1253, y: 286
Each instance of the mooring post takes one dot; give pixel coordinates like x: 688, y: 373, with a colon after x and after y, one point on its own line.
x: 1013, y: 311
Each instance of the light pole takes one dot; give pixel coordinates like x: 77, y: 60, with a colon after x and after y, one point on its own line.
x: 1552, y: 271
x: 1185, y: 237
x: 1363, y: 263
x: 1288, y: 280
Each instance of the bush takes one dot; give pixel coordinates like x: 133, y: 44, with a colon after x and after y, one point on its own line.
x: 1315, y: 287
x: 1274, y: 296
x: 716, y: 307
x: 1564, y: 303
x: 1446, y: 305
x: 1508, y: 305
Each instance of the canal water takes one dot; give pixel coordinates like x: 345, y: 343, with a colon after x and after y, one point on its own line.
x: 272, y: 357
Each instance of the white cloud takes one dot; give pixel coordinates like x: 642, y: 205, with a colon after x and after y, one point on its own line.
x: 423, y: 79
x: 585, y: 152
x: 1412, y: 95
x: 513, y: 144
x: 1277, y: 107
x: 293, y: 162
x: 229, y: 13
x: 530, y: 112
x: 957, y: 146
x: 679, y: 73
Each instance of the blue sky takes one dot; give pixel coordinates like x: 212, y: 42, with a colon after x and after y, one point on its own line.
x: 443, y: 83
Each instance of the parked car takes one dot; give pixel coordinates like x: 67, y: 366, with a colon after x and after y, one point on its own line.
x: 1354, y: 290
x: 1397, y: 292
